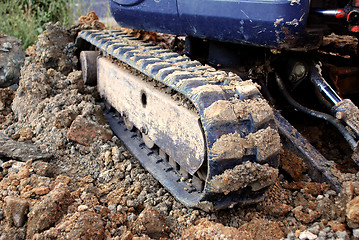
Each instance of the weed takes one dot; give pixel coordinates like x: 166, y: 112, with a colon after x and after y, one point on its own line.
x: 26, y: 19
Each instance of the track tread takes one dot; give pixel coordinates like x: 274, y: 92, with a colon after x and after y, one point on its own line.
x: 206, y: 88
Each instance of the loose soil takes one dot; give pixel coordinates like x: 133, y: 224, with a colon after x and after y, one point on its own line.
x: 81, y: 183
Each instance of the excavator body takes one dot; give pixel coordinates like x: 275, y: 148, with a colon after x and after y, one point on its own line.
x: 208, y: 123
x: 272, y: 23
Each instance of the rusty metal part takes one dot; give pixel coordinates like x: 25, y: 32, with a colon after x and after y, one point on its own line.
x: 347, y: 112
x: 295, y: 142
x: 339, y: 45
x: 346, y: 79
x: 155, y: 114
x: 88, y: 60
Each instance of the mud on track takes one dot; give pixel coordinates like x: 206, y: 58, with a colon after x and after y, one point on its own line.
x: 91, y: 187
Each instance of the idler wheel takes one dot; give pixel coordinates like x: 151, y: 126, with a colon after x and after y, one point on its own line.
x: 88, y: 60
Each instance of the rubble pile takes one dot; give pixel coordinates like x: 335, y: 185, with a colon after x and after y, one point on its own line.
x: 64, y: 175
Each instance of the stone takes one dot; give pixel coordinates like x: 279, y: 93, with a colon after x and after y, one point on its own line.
x: 40, y: 191
x: 352, y: 213
x: 127, y: 236
x: 85, y: 132
x: 278, y: 209
x: 58, y: 56
x: 305, y: 217
x: 291, y: 236
x: 112, y: 207
x: 85, y: 225
x: 315, y: 229
x: 312, y: 188
x: 6, y: 97
x: 306, y: 235
x: 12, y: 57
x: 356, y: 232
x: 151, y: 223
x: 20, y: 150
x: 64, y: 118
x: 82, y: 208
x: 336, y: 226
x: 210, y: 230
x: 16, y: 210
x: 259, y: 228
x: 47, y: 212
x: 43, y: 169
x: 292, y: 164
x: 342, y: 235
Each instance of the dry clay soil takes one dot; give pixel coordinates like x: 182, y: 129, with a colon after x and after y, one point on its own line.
x: 65, y: 176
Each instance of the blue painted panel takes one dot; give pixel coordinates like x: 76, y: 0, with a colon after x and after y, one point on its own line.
x: 149, y: 15
x: 258, y: 22
x: 271, y: 23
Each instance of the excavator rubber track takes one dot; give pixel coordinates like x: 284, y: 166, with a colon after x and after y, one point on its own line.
x: 241, y: 139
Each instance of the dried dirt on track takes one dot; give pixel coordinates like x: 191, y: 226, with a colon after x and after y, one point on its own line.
x: 65, y: 176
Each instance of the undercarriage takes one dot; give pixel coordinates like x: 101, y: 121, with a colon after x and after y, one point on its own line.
x: 211, y: 124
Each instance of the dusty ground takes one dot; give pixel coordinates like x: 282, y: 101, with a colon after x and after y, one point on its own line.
x: 65, y: 176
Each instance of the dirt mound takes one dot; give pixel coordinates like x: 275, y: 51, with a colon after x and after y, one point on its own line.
x: 87, y: 185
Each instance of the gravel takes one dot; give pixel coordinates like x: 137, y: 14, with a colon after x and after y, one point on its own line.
x: 102, y: 192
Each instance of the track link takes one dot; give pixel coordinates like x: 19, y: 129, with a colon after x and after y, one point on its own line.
x: 242, y: 142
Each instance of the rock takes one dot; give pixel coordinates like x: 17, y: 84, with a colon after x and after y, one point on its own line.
x: 329, y: 209
x: 6, y: 97
x: 47, y: 212
x: 263, y: 229
x: 43, y: 169
x: 278, y: 209
x: 60, y: 179
x: 59, y: 56
x: 16, y: 210
x: 84, y: 225
x: 315, y: 229
x: 82, y: 208
x: 336, y: 226
x: 85, y: 132
x: 305, y: 217
x: 12, y: 57
x: 342, y: 235
x: 352, y: 213
x: 306, y: 235
x: 13, y: 234
x: 40, y: 190
x: 20, y: 150
x: 75, y: 78
x: 151, y: 223
x: 292, y: 164
x: 64, y: 118
x: 80, y: 225
x: 291, y: 236
x: 112, y: 207
x: 356, y: 233
x: 127, y: 236
x: 312, y: 188
x: 210, y: 230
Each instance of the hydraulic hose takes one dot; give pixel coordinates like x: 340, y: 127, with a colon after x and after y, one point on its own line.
x: 335, y: 122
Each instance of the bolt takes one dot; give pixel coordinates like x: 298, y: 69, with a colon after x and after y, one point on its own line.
x: 340, y: 115
x: 144, y: 130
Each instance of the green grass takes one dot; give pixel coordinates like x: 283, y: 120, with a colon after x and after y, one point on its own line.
x: 25, y: 19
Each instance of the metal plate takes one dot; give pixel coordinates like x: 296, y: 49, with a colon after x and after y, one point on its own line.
x: 173, y: 128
